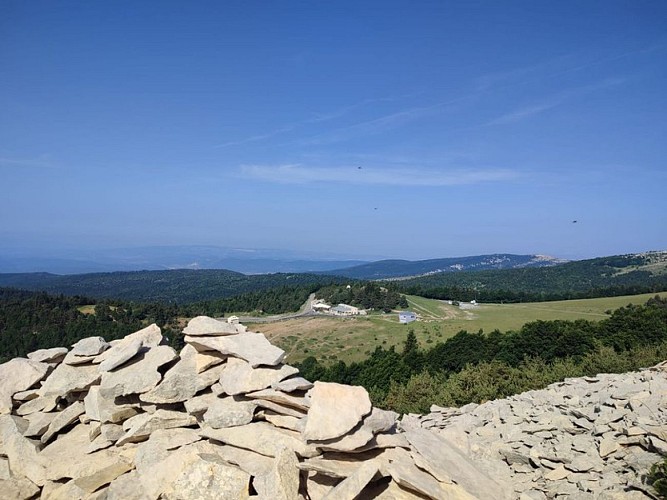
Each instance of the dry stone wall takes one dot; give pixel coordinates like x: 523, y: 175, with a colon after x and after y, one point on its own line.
x: 226, y: 418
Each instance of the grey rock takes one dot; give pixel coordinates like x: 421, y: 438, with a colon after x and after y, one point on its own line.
x: 91, y: 346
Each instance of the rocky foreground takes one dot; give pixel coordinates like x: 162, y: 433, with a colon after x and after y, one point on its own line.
x: 225, y: 418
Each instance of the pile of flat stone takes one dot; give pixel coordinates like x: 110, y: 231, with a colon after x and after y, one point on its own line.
x: 592, y: 437
x: 224, y: 418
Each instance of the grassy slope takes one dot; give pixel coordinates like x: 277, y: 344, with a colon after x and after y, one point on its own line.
x: 352, y: 339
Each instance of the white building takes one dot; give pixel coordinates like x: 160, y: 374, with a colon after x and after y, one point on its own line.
x: 345, y: 310
x: 406, y: 317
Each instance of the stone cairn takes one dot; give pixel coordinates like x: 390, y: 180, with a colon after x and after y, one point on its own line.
x: 225, y: 418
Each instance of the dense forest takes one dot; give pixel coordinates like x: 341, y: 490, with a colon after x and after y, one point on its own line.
x: 602, y: 277
x: 178, y: 286
x: 499, y: 364
x: 36, y: 320
x: 369, y: 295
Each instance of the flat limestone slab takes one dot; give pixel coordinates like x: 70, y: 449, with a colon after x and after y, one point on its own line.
x: 179, y: 383
x: 203, y: 325
x: 261, y: 438
x: 53, y: 355
x: 335, y: 409
x: 18, y: 375
x: 239, y: 377
x: 139, y: 376
x: 253, y: 347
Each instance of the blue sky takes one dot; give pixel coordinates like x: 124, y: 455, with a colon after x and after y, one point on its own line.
x: 394, y: 129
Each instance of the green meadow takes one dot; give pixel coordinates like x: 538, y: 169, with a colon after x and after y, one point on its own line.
x: 330, y: 339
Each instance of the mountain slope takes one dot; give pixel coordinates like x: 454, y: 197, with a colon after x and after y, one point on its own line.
x: 387, y: 269
x: 613, y: 275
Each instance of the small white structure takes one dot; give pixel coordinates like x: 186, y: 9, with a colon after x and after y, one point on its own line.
x: 233, y: 320
x: 345, y: 310
x: 321, y: 306
x: 406, y: 317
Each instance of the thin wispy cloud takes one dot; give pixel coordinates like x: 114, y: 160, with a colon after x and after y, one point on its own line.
x: 407, y: 176
x: 535, y: 109
x: 319, y: 118
x: 381, y: 124
x: 557, y: 66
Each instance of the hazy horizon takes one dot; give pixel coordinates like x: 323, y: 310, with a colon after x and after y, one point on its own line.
x: 367, y: 130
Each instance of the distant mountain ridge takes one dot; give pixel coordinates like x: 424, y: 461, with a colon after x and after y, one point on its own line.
x: 394, y: 269
x: 159, y: 258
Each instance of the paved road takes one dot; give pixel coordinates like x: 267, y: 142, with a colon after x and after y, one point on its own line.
x: 306, y: 310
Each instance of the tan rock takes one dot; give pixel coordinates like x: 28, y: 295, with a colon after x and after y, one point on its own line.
x: 151, y: 336
x: 286, y: 422
x: 210, y: 377
x: 292, y: 384
x: 66, y: 458
x: 607, y: 447
x: 403, y: 470
x: 557, y: 474
x: 253, y: 347
x: 281, y: 482
x: 21, y: 452
x: 378, y: 421
x: 66, y: 379
x: 127, y: 487
x: 53, y: 355
x: 104, y: 409
x: 119, y: 354
x: 17, y: 375
x: 140, y: 427
x: 279, y: 409
x: 262, y: 438
x: 300, y: 402
x: 248, y: 461
x: 39, y: 422
x: 208, y: 359
x: 41, y: 403
x: 199, y: 404
x: 351, y: 487
x: 102, y: 476
x: 179, y: 383
x: 91, y: 346
x: 63, y: 419
x: 239, y: 377
x: 227, y: 412
x: 319, y: 485
x: 18, y: 488
x: 208, y: 477
x: 4, y: 468
x: 335, y: 410
x: 139, y: 376
x: 203, y: 325
x: 74, y: 360
x: 448, y: 464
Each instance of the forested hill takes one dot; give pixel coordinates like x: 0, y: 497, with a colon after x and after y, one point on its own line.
x: 605, y: 276
x: 181, y: 286
x: 387, y: 269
